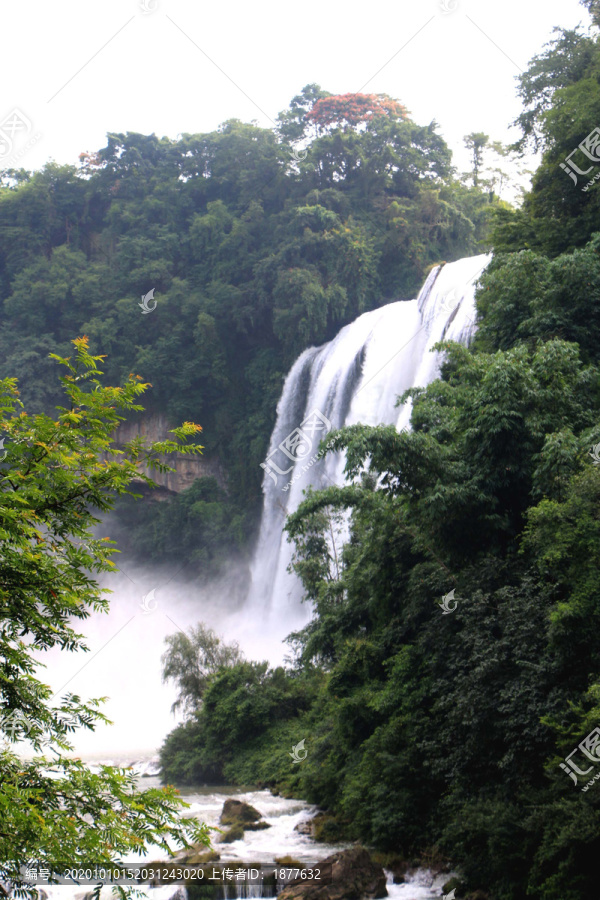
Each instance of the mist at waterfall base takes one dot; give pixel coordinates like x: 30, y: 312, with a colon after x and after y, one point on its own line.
x: 354, y: 378
x: 123, y: 662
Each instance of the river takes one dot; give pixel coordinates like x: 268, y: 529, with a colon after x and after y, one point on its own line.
x: 281, y: 839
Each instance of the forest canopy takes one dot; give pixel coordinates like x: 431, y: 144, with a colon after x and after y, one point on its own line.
x: 254, y: 249
x: 454, y: 737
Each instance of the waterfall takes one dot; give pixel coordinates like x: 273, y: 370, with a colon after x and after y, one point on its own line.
x: 356, y: 377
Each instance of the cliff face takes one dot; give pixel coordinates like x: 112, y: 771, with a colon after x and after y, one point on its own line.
x: 155, y: 427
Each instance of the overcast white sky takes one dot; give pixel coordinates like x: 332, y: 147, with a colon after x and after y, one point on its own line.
x: 78, y: 70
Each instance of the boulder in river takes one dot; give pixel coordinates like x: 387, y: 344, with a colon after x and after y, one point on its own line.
x: 354, y: 876
x: 237, y: 812
x: 327, y: 828
x: 323, y: 827
x: 289, y: 862
x: 235, y: 833
x: 240, y: 817
x: 197, y: 855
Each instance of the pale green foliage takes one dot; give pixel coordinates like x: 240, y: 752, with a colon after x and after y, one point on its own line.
x: 56, y: 475
x: 191, y: 659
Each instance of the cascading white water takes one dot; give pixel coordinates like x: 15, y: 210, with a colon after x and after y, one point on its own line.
x: 284, y: 837
x: 356, y: 377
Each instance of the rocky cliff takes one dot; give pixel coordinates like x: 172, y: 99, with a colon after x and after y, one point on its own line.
x: 155, y: 427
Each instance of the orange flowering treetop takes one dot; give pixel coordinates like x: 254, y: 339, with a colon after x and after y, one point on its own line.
x: 354, y: 109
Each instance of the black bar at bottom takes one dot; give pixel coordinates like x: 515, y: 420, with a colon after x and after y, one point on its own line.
x: 176, y: 873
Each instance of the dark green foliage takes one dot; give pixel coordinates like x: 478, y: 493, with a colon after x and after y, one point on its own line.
x: 183, y: 760
x: 530, y: 297
x: 58, y: 475
x: 201, y: 527
x: 253, y: 257
x: 232, y: 731
x: 561, y: 94
x: 447, y: 731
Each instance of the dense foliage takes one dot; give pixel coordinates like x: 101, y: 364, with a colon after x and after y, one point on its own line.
x: 254, y: 253
x: 561, y: 98
x: 448, y: 733
x: 57, y: 476
x: 422, y: 733
x: 449, y: 730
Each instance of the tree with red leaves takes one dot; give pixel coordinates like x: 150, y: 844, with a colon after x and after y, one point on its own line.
x: 354, y: 109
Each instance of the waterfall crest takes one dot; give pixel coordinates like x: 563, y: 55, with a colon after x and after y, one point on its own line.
x: 354, y: 378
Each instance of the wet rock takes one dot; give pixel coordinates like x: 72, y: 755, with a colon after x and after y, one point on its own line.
x: 326, y: 828
x: 235, y: 833
x: 236, y: 811
x: 354, y: 876
x: 323, y: 827
x: 198, y: 854
x: 289, y: 862
x: 452, y: 884
x: 240, y: 817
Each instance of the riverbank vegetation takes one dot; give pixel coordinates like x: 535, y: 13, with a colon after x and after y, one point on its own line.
x: 58, y: 476
x: 420, y: 733
x: 452, y: 732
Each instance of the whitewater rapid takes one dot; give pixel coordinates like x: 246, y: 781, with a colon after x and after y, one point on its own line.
x: 281, y: 839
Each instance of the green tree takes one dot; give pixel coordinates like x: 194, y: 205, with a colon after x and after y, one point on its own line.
x: 561, y: 96
x: 292, y: 122
x: 563, y: 62
x: 191, y: 660
x: 476, y: 143
x: 246, y: 708
x: 57, y: 478
x: 593, y: 7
